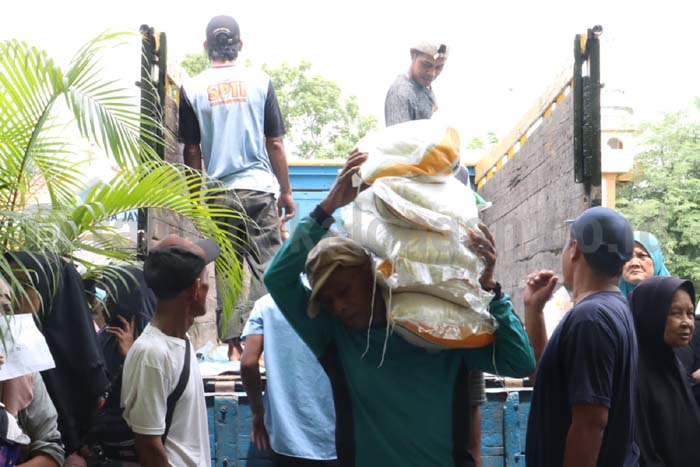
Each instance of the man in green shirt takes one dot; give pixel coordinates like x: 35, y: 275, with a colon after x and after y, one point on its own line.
x: 396, y: 404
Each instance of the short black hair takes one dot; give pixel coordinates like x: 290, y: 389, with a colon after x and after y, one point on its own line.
x: 222, y: 52
x: 170, y: 271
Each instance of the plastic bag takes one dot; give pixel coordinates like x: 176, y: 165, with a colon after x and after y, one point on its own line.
x: 431, y: 322
x: 419, y: 148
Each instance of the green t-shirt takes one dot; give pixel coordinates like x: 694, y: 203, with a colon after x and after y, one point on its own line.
x: 413, y: 409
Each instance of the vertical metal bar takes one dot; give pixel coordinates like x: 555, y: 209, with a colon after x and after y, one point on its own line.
x: 162, y: 82
x: 577, y: 90
x: 594, y: 124
x: 148, y: 51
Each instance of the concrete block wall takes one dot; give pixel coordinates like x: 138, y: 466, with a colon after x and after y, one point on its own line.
x: 532, y: 195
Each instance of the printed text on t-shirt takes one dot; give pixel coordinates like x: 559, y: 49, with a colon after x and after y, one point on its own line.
x: 227, y: 93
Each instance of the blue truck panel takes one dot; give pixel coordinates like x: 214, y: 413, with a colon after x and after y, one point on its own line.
x: 504, y: 421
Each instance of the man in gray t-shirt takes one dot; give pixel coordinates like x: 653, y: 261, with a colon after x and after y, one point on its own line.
x: 411, y: 96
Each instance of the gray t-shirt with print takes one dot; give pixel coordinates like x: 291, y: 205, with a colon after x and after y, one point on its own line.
x: 407, y: 100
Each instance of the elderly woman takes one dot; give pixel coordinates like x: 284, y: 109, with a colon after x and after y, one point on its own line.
x: 668, y: 419
x: 647, y: 261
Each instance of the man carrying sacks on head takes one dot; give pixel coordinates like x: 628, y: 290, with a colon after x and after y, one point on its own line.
x: 396, y: 404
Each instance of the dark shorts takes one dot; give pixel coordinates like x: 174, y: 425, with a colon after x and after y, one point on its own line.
x: 260, y: 239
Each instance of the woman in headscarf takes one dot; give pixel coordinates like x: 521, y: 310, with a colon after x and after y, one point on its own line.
x: 129, y: 307
x: 79, y: 380
x: 668, y: 419
x: 647, y: 261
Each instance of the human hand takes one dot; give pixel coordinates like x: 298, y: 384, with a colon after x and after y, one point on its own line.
x: 124, y: 335
x: 286, y: 207
x: 344, y: 190
x: 696, y: 375
x: 484, y: 246
x: 538, y: 289
x: 2, y: 360
x: 258, y: 433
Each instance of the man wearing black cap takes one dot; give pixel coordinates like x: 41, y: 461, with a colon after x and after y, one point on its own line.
x: 230, y: 118
x: 582, y: 410
x: 162, y: 392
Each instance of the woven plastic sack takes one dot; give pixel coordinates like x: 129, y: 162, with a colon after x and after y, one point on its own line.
x: 448, y: 207
x: 431, y: 322
x: 419, y: 148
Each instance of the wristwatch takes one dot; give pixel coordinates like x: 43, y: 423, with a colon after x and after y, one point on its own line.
x: 498, y: 294
x: 321, y: 217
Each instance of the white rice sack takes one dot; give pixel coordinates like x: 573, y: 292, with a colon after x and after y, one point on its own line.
x: 391, y: 242
x: 458, y: 286
x: 445, y: 207
x: 419, y: 148
x: 431, y: 322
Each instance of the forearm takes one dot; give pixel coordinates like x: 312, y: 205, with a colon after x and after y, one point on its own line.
x: 41, y: 460
x: 192, y: 156
x: 252, y: 383
x: 151, y: 452
x: 583, y: 443
x: 278, y: 161
x: 536, y: 330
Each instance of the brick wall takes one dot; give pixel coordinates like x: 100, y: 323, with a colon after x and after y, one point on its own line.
x: 162, y: 223
x: 532, y: 195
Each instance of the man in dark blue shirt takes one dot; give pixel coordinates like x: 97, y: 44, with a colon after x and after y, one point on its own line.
x: 582, y: 411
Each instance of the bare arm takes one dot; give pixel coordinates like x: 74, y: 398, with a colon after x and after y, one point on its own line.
x: 538, y: 291
x: 41, y: 460
x: 151, y: 451
x: 278, y: 160
x: 250, y: 374
x: 585, y: 435
x: 192, y: 155
x: 475, y: 434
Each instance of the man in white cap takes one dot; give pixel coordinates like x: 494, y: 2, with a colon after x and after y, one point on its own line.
x: 411, y: 96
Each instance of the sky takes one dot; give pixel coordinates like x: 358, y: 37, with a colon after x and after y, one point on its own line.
x: 503, y: 54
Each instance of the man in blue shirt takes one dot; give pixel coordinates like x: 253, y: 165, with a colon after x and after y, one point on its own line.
x: 582, y: 410
x: 297, y: 419
x: 230, y: 118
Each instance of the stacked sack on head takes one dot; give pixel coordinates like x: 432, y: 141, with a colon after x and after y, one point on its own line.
x: 414, y: 219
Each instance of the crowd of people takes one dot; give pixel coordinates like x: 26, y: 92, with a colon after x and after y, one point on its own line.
x: 617, y: 383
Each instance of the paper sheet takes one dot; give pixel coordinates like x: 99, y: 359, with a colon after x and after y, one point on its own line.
x: 25, y: 349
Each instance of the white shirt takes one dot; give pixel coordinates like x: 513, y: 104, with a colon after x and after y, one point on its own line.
x: 151, y: 372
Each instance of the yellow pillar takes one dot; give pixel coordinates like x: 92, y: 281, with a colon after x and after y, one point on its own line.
x: 610, y: 179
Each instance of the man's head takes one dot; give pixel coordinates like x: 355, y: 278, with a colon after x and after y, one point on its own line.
x: 427, y: 61
x: 340, y: 274
x: 601, y: 240
x: 175, y: 269
x: 223, y: 39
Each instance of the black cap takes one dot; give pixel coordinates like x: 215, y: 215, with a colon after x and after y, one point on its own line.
x: 223, y: 30
x: 174, y: 263
x: 605, y: 237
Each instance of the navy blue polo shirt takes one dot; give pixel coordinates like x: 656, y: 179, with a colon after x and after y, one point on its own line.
x: 591, y: 358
